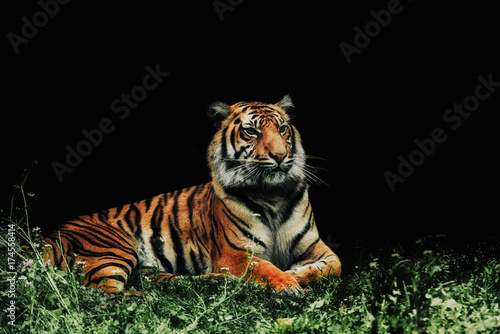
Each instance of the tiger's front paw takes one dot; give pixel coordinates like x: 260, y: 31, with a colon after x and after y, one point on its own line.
x: 306, y: 274
x: 283, y: 283
x: 311, y: 273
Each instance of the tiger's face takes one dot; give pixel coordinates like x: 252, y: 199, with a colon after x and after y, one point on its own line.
x: 256, y: 146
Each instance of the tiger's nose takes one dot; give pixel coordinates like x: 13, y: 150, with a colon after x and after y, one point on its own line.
x: 278, y: 157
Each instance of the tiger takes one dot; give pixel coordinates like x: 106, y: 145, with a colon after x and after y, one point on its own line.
x: 255, y: 212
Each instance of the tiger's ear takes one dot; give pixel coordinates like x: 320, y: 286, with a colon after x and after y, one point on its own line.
x: 218, y: 111
x: 287, y: 105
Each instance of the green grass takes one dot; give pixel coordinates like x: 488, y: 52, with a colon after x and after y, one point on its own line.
x: 429, y: 286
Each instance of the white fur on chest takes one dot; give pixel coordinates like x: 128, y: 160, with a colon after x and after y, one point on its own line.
x: 278, y: 241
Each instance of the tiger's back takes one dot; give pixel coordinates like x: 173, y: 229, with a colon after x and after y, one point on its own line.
x: 211, y: 228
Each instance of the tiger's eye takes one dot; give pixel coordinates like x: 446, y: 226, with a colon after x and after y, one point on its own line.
x: 282, y: 129
x: 251, y: 131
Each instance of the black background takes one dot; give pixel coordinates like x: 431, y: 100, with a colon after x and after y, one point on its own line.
x: 359, y: 116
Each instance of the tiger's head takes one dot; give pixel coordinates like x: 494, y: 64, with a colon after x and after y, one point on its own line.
x: 256, y: 146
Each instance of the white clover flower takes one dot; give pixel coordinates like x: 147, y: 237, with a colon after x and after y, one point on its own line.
x: 28, y: 263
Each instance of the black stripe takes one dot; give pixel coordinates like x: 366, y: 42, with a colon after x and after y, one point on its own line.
x: 90, y: 235
x: 92, y: 272
x: 196, y: 264
x: 147, y: 202
x: 200, y: 242
x: 215, y: 230
x: 190, y: 204
x: 213, y: 220
x: 79, y: 248
x: 103, y: 216
x: 292, y: 201
x: 229, y: 242
x: 105, y: 256
x: 237, y: 155
x: 156, y: 242
x: 294, y: 144
x: 307, y: 208
x: 215, y: 243
x: 242, y: 135
x: 96, y: 237
x: 232, y: 138
x: 160, y: 255
x: 305, y: 255
x: 178, y: 247
x: 321, y: 256
x: 223, y: 150
x: 157, y: 216
x: 112, y: 233
x: 122, y: 228
x: 312, y: 262
x: 129, y: 221
x: 119, y: 210
x: 234, y: 216
x: 115, y: 277
x: 299, y: 236
x: 201, y: 259
x: 201, y: 252
x: 209, y: 192
x: 244, y: 231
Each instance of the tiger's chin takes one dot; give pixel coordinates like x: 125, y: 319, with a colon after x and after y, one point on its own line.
x: 277, y: 177
x: 269, y: 183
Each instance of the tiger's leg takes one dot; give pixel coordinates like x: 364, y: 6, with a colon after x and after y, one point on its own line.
x: 110, y: 277
x: 107, y: 268
x: 156, y: 276
x: 264, y: 272
x: 318, y: 260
